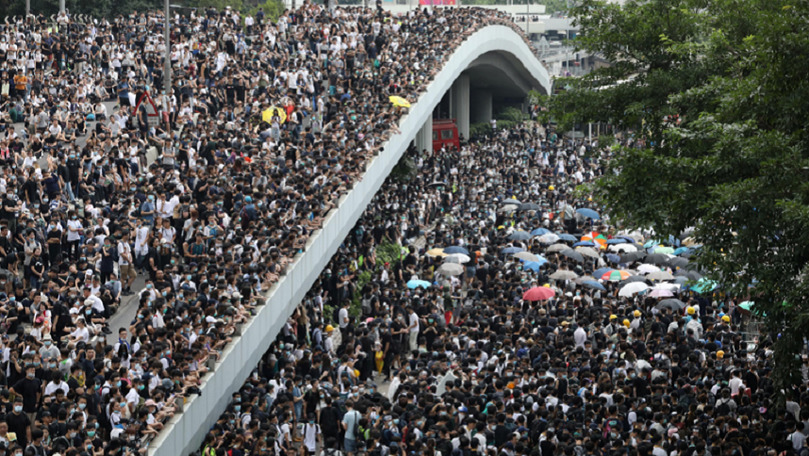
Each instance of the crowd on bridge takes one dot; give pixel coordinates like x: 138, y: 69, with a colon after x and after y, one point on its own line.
x: 194, y: 214
x: 511, y: 319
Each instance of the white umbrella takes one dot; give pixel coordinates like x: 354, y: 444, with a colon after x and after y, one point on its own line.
x: 636, y: 235
x: 660, y: 293
x: 457, y: 258
x: 622, y: 248
x: 527, y: 256
x: 632, y: 288
x: 666, y: 286
x: 660, y: 275
x: 557, y: 248
x: 548, y: 238
x: 588, y: 252
x: 647, y: 268
x: 563, y: 274
x: 450, y: 269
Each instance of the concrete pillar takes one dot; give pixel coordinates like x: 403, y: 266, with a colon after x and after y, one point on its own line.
x: 424, y: 138
x: 459, y: 104
x: 482, y: 110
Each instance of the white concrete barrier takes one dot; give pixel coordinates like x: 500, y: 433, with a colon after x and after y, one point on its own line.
x: 185, y: 432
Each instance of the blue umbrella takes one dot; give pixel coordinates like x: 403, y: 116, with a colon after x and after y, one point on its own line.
x: 542, y: 260
x: 628, y: 239
x: 584, y: 244
x: 593, y: 284
x: 704, y: 285
x: 600, y: 272
x: 568, y: 237
x: 509, y: 250
x: 613, y: 258
x: 650, y: 244
x: 589, y: 213
x: 533, y: 265
x: 682, y: 250
x: 540, y: 231
x: 415, y: 283
x: 456, y: 249
x: 617, y: 241
x: 518, y: 236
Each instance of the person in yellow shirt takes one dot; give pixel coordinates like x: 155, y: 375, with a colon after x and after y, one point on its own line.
x: 21, y: 84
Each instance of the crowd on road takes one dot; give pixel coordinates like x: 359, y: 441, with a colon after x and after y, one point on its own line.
x: 267, y: 125
x: 510, y: 320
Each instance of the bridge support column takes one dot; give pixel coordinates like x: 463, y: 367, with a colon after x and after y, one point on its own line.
x: 482, y: 110
x: 459, y: 104
x: 424, y: 138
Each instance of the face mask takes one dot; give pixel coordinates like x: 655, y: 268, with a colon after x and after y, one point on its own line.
x: 118, y: 384
x: 18, y: 408
x: 91, y: 434
x: 238, y: 408
x: 47, y: 343
x: 82, y: 406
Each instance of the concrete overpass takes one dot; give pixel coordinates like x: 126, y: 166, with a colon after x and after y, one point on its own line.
x: 493, y: 45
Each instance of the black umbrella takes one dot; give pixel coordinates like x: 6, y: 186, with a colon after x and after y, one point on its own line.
x: 634, y: 278
x: 671, y: 303
x: 689, y: 274
x: 632, y: 256
x: 528, y: 207
x: 677, y: 262
x: 656, y: 259
x: 573, y: 255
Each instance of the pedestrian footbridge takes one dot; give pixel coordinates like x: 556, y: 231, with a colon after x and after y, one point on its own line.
x: 494, y: 61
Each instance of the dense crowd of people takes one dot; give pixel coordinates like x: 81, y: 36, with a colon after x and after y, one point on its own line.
x: 418, y: 358
x: 267, y: 124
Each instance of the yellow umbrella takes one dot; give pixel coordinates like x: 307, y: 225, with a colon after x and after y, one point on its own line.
x: 399, y: 101
x: 436, y: 252
x: 267, y: 115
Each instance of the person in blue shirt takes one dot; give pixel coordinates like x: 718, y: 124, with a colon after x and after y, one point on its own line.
x: 147, y: 210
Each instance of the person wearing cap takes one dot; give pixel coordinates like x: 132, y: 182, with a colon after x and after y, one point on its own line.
x: 612, y: 327
x: 48, y: 351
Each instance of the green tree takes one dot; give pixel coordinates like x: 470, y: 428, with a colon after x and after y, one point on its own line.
x: 735, y: 165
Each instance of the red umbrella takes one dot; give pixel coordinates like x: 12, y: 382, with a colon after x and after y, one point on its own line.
x: 538, y: 294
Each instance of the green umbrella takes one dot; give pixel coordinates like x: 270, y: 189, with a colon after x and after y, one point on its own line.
x: 704, y: 285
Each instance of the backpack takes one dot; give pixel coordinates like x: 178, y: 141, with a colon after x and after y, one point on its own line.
x: 723, y: 408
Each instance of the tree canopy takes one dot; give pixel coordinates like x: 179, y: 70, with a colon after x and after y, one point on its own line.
x: 734, y: 166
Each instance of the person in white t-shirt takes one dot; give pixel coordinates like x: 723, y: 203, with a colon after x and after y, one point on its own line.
x: 311, y: 435
x: 413, y: 329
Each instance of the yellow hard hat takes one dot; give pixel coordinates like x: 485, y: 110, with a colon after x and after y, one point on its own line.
x: 690, y: 310
x: 626, y: 322
x: 550, y: 187
x: 510, y: 385
x: 726, y: 318
x: 720, y: 354
x: 356, y: 373
x: 613, y: 317
x: 636, y: 313
x: 329, y: 328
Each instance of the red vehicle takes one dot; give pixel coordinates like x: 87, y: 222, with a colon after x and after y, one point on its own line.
x: 445, y: 134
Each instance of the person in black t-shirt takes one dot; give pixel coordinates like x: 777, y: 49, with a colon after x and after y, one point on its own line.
x: 19, y: 423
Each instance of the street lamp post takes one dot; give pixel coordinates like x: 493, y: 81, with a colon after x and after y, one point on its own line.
x: 167, y: 58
